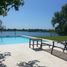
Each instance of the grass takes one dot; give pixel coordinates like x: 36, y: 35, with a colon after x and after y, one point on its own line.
x: 58, y: 38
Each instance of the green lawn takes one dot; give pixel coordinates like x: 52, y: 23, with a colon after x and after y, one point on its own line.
x: 58, y: 38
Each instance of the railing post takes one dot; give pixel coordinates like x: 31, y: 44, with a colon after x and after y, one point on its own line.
x: 29, y: 43
x: 52, y: 47
x: 41, y: 44
x: 65, y: 47
x: 33, y: 44
x: 37, y: 43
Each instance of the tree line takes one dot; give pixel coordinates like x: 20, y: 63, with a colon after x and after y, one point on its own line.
x: 29, y: 30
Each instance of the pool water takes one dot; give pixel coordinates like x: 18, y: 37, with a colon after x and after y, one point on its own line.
x: 13, y: 40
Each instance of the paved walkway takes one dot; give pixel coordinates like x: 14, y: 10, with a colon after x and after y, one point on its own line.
x: 21, y: 53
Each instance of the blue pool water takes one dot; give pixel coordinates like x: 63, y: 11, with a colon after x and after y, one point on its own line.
x: 13, y: 40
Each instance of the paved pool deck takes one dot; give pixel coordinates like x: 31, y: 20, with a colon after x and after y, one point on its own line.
x: 43, y: 58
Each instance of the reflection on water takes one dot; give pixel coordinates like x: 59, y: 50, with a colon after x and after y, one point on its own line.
x: 13, y: 33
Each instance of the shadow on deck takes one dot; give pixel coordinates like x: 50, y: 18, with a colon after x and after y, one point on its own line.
x: 3, y: 58
x: 32, y: 63
x: 60, y: 54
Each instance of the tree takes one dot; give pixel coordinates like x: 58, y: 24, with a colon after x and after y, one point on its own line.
x: 6, y: 5
x: 59, y: 21
x: 1, y: 26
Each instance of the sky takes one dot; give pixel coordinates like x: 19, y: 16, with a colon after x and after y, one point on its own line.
x: 35, y: 14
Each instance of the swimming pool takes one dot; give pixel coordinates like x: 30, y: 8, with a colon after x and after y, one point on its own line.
x: 13, y: 40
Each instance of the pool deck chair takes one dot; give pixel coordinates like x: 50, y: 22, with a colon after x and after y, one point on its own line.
x: 35, y: 41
